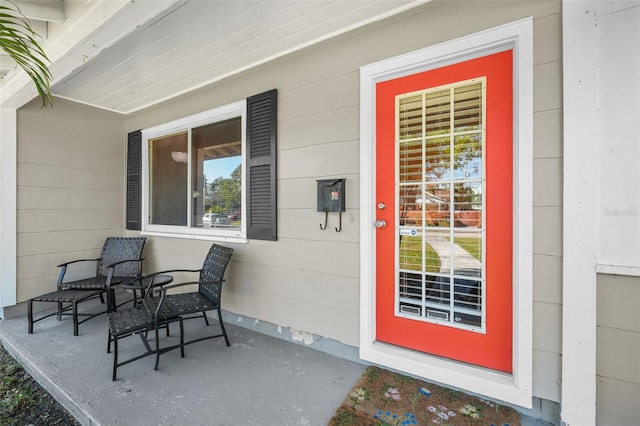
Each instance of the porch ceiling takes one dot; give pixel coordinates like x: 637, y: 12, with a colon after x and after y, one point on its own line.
x: 124, y: 56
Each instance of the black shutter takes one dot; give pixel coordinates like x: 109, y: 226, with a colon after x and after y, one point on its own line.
x: 134, y: 170
x: 261, y: 164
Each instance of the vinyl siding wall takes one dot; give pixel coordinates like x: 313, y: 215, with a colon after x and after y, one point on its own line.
x: 618, y: 353
x: 70, y: 190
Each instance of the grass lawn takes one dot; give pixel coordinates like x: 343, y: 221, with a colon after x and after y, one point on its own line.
x: 23, y: 401
x: 411, y: 255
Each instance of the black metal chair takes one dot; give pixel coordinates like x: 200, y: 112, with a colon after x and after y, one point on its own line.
x: 120, y: 258
x: 139, y: 320
x: 154, y: 312
x: 197, y: 303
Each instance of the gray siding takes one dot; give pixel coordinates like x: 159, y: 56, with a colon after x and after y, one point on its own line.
x: 70, y: 189
x: 618, y: 351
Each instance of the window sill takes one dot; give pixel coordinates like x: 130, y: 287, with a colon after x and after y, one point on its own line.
x: 220, y: 238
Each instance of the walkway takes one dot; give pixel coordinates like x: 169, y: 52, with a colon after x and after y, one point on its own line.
x: 463, y: 260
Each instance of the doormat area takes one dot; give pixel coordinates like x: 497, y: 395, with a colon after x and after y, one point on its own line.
x: 382, y: 397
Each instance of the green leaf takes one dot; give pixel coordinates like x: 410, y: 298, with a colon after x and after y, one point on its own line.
x: 17, y: 39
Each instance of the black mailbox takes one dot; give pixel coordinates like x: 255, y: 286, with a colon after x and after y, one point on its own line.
x: 331, y: 198
x: 331, y: 195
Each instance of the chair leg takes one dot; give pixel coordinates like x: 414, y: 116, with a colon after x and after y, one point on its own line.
x: 60, y: 310
x: 206, y: 320
x: 155, y: 367
x: 75, y: 317
x: 224, y: 331
x: 109, y: 341
x: 30, y: 315
x: 111, y: 301
x: 115, y: 358
x: 181, y: 338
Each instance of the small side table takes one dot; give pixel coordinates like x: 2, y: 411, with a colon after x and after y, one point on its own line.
x: 141, y: 285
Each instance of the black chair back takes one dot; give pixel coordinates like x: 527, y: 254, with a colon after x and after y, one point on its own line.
x: 212, y: 273
x: 116, y: 249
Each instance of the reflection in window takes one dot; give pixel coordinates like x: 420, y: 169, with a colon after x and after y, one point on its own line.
x: 195, y: 175
x: 217, y: 175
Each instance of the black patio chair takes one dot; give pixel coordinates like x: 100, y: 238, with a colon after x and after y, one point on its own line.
x: 195, y: 304
x: 155, y: 312
x: 121, y: 258
x: 139, y: 320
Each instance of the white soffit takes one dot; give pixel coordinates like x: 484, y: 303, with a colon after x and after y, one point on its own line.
x: 190, y: 44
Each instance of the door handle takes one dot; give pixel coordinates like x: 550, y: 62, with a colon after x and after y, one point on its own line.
x: 381, y: 223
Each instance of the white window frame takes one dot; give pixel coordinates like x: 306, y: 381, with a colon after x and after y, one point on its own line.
x: 515, y: 388
x: 236, y: 109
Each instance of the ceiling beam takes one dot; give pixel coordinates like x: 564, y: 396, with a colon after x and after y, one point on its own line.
x: 99, y: 25
x: 39, y: 10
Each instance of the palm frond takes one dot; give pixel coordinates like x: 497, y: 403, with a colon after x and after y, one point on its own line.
x: 17, y: 39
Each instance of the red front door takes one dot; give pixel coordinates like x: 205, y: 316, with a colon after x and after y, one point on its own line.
x: 444, y: 188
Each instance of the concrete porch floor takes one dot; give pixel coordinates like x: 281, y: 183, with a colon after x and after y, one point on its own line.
x: 258, y: 380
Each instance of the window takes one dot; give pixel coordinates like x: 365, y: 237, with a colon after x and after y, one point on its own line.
x: 194, y: 176
x: 440, y: 134
x: 210, y: 175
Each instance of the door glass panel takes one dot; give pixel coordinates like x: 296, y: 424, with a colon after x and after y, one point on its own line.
x: 410, y: 164
x: 467, y: 161
x: 439, y: 255
x: 468, y: 107
x: 467, y: 301
x: 438, y: 112
x: 440, y: 272
x: 437, y: 159
x: 410, y: 117
x: 410, y: 293
x: 437, y: 297
x: 410, y: 205
x: 411, y: 253
x: 437, y: 203
x: 468, y: 205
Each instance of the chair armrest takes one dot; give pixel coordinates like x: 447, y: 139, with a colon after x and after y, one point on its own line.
x: 171, y: 286
x: 112, y: 268
x: 169, y: 271
x: 164, y: 288
x: 75, y: 261
x: 63, y: 269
